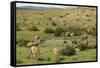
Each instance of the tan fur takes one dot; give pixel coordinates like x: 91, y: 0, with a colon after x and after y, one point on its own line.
x: 56, y: 53
x: 34, y: 46
x: 83, y: 40
x: 67, y: 34
x: 75, y: 43
x: 30, y: 44
x: 35, y: 38
x: 71, y: 34
x: 35, y: 42
x: 35, y: 51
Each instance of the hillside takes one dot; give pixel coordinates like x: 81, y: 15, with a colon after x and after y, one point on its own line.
x: 80, y: 17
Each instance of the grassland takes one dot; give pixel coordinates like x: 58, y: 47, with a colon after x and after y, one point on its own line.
x: 76, y: 19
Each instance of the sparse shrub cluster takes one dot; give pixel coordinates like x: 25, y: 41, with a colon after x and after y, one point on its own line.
x: 18, y: 61
x: 65, y: 41
x: 87, y: 15
x: 54, y: 24
x: 67, y: 13
x: 76, y: 30
x: 49, y: 30
x: 92, y: 46
x: 21, y: 42
x: 92, y: 32
x: 58, y: 31
x: 83, y: 47
x: 25, y: 19
x: 77, y: 19
x: 89, y: 20
x: 68, y: 51
x: 92, y: 9
x: 33, y: 28
x: 18, y: 28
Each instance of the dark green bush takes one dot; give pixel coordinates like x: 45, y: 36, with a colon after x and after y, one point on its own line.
x: 83, y: 47
x: 49, y: 30
x: 87, y: 15
x: 92, y: 46
x: 78, y: 33
x: 21, y: 42
x: 54, y: 24
x: 58, y: 31
x: 92, y: 32
x: 68, y: 51
x: 67, y: 14
x: 74, y: 29
x: 65, y: 41
x: 18, y: 28
x: 18, y: 61
x: 33, y: 28
x: 89, y: 20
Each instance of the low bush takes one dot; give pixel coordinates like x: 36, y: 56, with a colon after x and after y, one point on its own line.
x: 74, y: 29
x: 58, y: 31
x: 18, y: 28
x: 18, y: 61
x: 83, y: 47
x: 65, y: 41
x: 21, y: 42
x: 54, y: 24
x: 92, y: 32
x: 68, y: 51
x: 33, y: 28
x: 49, y: 30
x: 92, y: 46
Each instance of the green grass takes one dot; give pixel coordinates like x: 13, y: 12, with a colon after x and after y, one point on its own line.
x: 32, y: 34
x: 47, y: 52
x: 47, y: 49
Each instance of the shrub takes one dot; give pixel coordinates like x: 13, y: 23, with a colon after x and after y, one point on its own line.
x: 25, y: 19
x: 48, y: 59
x: 33, y: 28
x: 54, y: 24
x: 89, y: 20
x: 68, y: 50
x: 74, y: 29
x: 77, y: 19
x: 92, y: 32
x: 18, y: 28
x: 18, y: 61
x: 92, y: 9
x: 58, y: 31
x: 21, y: 42
x: 78, y: 33
x: 87, y: 15
x: 49, y: 30
x: 92, y: 46
x: 83, y: 47
x: 67, y: 14
x: 65, y: 41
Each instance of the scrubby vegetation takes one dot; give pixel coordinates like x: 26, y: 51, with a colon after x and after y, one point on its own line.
x: 33, y: 28
x: 68, y: 51
x: 83, y: 47
x: 49, y: 30
x: 52, y: 25
x: 58, y: 31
